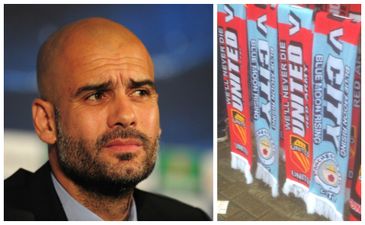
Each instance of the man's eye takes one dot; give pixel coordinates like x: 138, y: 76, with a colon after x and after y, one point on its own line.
x: 141, y: 92
x: 96, y: 96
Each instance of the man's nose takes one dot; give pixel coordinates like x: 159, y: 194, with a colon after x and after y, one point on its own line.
x: 122, y: 113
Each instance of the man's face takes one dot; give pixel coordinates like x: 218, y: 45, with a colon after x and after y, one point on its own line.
x: 107, y: 117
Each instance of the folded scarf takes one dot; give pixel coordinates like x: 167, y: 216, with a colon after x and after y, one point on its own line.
x: 232, y: 41
x: 263, y: 66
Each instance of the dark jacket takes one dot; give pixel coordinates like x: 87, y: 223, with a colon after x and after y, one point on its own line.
x: 32, y: 196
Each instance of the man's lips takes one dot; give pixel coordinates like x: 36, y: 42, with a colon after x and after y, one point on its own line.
x: 124, y: 145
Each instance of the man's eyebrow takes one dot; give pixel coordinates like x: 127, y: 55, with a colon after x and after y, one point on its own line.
x: 94, y: 87
x: 141, y: 83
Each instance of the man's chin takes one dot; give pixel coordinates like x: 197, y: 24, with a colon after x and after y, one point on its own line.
x: 114, y: 182
x: 126, y: 156
x: 115, y: 178
x: 134, y: 157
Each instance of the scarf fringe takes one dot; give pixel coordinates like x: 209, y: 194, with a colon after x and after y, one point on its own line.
x: 299, y: 190
x: 263, y: 174
x: 240, y: 163
x: 323, y: 207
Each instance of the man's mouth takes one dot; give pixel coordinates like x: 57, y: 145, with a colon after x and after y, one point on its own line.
x: 124, y: 145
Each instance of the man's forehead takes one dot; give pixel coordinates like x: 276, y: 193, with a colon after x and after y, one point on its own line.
x: 99, y: 65
x: 112, y: 79
x: 101, y: 57
x: 110, y: 84
x: 89, y: 41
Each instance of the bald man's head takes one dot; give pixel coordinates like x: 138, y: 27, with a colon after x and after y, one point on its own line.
x: 66, y: 48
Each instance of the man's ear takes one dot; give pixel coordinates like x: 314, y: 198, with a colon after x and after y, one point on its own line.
x: 44, y: 121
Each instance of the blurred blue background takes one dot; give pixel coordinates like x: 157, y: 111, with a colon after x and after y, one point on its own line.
x: 180, y: 41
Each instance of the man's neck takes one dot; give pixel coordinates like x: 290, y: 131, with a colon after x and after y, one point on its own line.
x: 106, y: 207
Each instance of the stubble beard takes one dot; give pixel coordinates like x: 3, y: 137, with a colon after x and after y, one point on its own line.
x: 79, y: 160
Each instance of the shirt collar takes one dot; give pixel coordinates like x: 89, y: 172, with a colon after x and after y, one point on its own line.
x: 77, y: 212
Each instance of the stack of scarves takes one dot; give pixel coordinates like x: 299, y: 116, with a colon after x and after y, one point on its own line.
x: 303, y: 84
